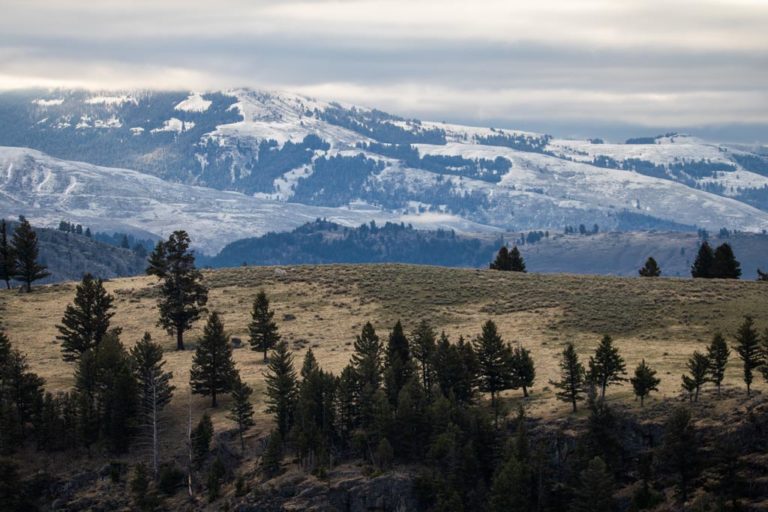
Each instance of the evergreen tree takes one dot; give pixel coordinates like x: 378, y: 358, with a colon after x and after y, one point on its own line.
x: 705, y: 259
x: 724, y: 265
x: 201, y: 437
x: 21, y: 395
x: 281, y: 388
x: 495, y: 373
x: 650, y: 269
x: 572, y: 377
x: 273, y: 455
x: 309, y: 366
x: 263, y: 329
x: 86, y: 320
x: 423, y: 349
x: 511, y: 487
x: 213, y: 368
x: 698, y: 365
x: 689, y: 386
x: 516, y: 261
x: 678, y: 450
x: 157, y: 263
x: 182, y: 295
x: 7, y: 256
x: 455, y: 369
x: 644, y: 381
x: 748, y: 348
x: 347, y: 399
x: 595, y: 490
x: 410, y: 434
x: 155, y: 391
x: 502, y: 261
x: 718, y: 354
x: 24, y: 245
x: 314, y: 428
x: 522, y: 368
x: 367, y: 361
x: 242, y: 410
x: 398, y: 363
x: 607, y: 366
x: 109, y: 393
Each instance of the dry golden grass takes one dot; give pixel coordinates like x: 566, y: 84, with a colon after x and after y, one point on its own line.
x: 661, y: 320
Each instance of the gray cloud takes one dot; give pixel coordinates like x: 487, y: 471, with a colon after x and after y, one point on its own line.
x: 676, y: 63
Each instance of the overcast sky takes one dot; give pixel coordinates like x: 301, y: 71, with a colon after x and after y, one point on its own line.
x: 567, y: 66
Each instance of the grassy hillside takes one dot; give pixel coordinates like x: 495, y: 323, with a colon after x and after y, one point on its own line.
x: 324, y: 307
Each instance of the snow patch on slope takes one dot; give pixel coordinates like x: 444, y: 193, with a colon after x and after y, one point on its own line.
x: 194, y: 103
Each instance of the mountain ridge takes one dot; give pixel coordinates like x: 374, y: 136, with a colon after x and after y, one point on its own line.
x: 290, y: 155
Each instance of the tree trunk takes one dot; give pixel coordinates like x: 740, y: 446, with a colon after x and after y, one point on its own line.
x: 214, y: 403
x: 525, y: 392
x: 29, y: 286
x: 179, y: 339
x: 189, y: 445
x: 155, y: 454
x: 573, y: 402
x: 642, y: 401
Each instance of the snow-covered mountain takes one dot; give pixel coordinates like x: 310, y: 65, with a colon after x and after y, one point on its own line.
x: 48, y: 190
x: 240, y: 162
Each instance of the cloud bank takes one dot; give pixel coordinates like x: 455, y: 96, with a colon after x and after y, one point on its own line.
x: 676, y: 63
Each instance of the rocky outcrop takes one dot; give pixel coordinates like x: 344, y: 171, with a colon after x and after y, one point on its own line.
x: 391, y: 492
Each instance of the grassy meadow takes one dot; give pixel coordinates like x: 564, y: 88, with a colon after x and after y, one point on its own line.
x: 323, y: 307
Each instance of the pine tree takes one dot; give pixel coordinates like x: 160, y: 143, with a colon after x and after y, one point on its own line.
x: 595, y: 490
x: 24, y: 244
x: 516, y: 261
x: 523, y: 369
x: 705, y: 259
x: 398, y: 362
x: 157, y: 263
x: 644, y: 381
x: 7, y: 256
x: 273, y: 455
x: 242, y: 410
x: 109, y: 389
x: 213, y: 368
x: 502, y: 261
x: 411, y: 429
x: 607, y: 366
x: 748, y: 348
x: 309, y: 366
x: 511, y: 487
x: 650, y: 269
x: 201, y: 437
x: 182, y: 295
x: 494, y: 370
x: 367, y: 361
x: 281, y: 388
x: 679, y: 449
x: 572, y: 376
x: 262, y: 329
x: 86, y: 320
x: 718, y: 354
x: 724, y: 265
x: 314, y: 428
x: 155, y: 391
x: 455, y: 369
x: 698, y: 365
x: 347, y: 399
x: 423, y: 349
